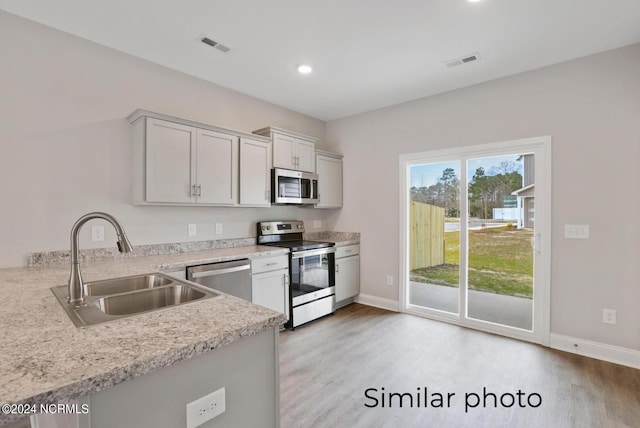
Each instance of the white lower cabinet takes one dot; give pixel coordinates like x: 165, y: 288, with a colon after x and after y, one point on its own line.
x: 347, y: 272
x: 270, y: 283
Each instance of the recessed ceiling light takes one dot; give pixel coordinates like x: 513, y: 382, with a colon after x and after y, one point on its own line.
x: 474, y: 1
x: 304, y: 69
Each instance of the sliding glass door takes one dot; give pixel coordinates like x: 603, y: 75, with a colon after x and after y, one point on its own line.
x: 473, y: 221
x: 434, y: 236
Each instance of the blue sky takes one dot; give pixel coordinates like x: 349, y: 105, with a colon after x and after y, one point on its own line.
x: 428, y: 174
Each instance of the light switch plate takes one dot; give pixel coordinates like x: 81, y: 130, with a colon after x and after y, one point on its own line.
x: 218, y: 228
x: 576, y: 231
x: 191, y: 229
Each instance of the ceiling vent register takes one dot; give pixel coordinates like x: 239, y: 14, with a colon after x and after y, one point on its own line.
x: 463, y: 60
x: 213, y: 43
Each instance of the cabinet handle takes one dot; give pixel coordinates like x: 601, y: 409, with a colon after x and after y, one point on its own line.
x: 271, y: 264
x: 199, y: 190
x: 267, y: 195
x: 286, y: 280
x: 193, y: 190
x: 337, y: 268
x: 348, y: 251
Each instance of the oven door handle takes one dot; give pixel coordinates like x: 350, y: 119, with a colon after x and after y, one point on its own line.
x: 319, y: 252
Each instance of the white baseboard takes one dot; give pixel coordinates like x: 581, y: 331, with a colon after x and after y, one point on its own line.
x: 378, y: 302
x: 599, y: 351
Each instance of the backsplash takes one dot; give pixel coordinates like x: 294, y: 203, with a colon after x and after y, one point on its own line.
x: 98, y: 254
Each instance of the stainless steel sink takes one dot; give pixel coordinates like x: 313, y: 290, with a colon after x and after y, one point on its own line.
x: 124, y: 285
x: 148, y: 300
x: 117, y: 298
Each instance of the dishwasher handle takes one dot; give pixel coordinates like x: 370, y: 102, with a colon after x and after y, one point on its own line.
x: 214, y: 269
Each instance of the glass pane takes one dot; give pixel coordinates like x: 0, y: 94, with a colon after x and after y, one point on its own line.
x: 501, y: 226
x: 434, y: 236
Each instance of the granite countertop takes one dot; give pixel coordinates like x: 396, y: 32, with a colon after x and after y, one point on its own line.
x: 44, y: 358
x: 338, y: 238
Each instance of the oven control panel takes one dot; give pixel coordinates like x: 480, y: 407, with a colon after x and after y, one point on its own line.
x: 280, y: 227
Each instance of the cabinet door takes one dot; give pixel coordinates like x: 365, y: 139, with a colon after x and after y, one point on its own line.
x: 217, y: 168
x: 269, y: 289
x: 284, y: 151
x: 255, y: 172
x: 347, y: 277
x: 170, y: 155
x: 329, y: 172
x: 304, y: 155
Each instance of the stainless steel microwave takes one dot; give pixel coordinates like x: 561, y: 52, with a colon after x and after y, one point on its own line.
x: 293, y: 187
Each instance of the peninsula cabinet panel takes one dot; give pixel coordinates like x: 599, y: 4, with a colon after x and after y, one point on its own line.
x: 255, y: 172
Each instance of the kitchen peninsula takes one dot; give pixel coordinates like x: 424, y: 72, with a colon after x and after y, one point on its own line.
x: 129, y: 369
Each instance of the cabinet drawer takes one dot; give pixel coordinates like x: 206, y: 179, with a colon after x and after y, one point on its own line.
x: 267, y: 264
x: 348, y: 250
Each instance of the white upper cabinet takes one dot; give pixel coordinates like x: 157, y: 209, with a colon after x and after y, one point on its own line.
x: 291, y: 150
x: 329, y: 170
x: 216, y: 168
x: 170, y: 170
x: 305, y: 152
x: 180, y: 162
x: 255, y: 172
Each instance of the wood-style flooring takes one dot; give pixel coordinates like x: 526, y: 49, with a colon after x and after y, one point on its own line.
x: 327, y: 366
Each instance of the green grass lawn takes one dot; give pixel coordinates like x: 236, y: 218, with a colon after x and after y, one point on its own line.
x: 500, y: 261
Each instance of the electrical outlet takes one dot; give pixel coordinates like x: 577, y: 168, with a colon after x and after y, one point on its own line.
x: 97, y: 233
x: 191, y: 230
x: 390, y: 280
x: 218, y: 228
x: 206, y: 408
x: 576, y: 231
x: 609, y: 316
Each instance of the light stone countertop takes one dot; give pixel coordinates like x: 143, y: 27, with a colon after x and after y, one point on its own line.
x: 339, y: 238
x: 44, y: 358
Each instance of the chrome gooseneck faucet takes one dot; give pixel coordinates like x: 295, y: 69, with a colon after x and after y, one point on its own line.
x: 76, y: 286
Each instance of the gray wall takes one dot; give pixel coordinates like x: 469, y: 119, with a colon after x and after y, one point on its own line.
x: 591, y: 108
x: 65, y: 145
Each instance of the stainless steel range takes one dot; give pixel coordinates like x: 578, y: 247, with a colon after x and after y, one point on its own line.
x: 311, y: 270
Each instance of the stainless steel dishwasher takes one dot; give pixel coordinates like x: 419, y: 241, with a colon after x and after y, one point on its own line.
x: 229, y: 277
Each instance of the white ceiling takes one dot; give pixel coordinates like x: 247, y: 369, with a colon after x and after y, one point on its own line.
x: 366, y: 54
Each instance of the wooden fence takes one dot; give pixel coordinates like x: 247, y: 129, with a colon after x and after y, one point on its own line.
x: 426, y: 237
